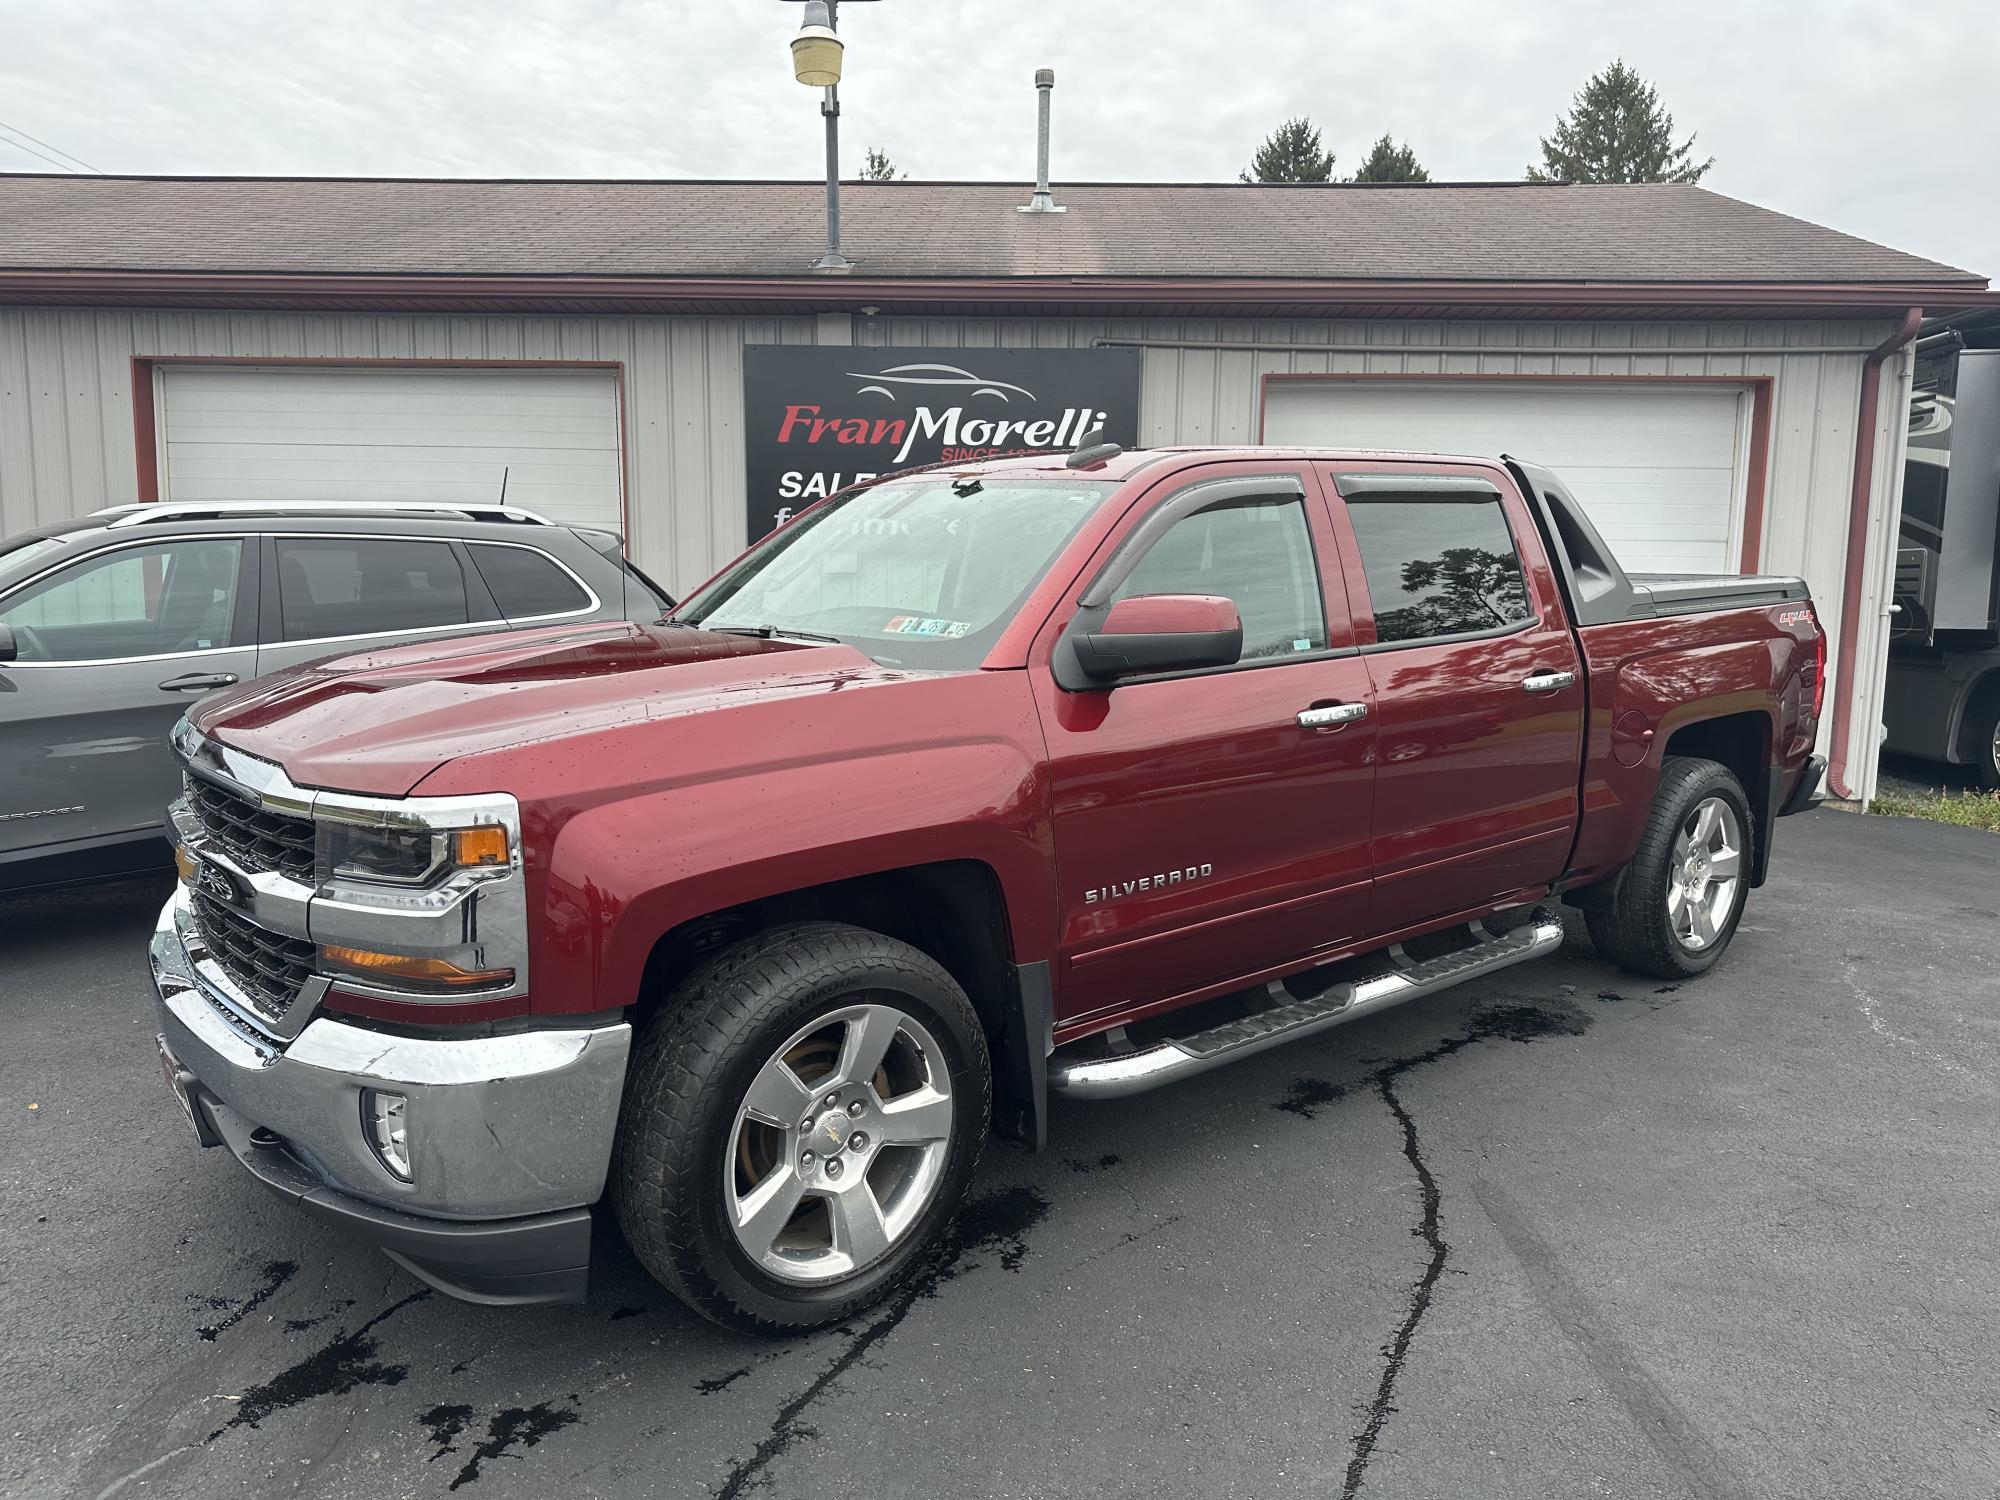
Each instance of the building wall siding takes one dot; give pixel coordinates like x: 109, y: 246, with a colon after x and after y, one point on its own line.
x: 67, y: 443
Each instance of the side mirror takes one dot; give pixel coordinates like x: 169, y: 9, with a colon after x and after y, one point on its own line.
x: 9, y: 649
x: 1161, y: 633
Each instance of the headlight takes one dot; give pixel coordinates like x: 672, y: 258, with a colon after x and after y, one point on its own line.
x: 385, y: 856
x: 409, y: 856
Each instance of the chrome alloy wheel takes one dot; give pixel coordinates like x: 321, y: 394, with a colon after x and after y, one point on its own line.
x: 839, y: 1144
x: 1707, y: 868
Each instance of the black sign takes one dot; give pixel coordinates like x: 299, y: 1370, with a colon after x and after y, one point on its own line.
x: 820, y: 419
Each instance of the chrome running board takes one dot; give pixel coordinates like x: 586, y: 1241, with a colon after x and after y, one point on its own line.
x: 1290, y: 1018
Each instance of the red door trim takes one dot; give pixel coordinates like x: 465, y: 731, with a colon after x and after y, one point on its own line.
x: 145, y: 428
x: 1759, y: 387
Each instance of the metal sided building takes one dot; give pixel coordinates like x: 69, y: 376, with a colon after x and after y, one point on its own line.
x: 1725, y: 388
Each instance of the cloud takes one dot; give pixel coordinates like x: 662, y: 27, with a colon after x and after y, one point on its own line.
x: 1846, y: 113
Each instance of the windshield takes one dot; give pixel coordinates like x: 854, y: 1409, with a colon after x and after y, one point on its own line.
x: 22, y: 550
x: 916, y: 573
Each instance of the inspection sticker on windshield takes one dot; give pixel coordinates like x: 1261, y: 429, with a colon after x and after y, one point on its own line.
x: 923, y: 625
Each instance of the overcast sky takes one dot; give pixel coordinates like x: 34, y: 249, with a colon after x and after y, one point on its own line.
x: 1873, y: 117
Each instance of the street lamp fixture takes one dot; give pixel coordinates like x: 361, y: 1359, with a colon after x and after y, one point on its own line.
x: 816, y: 49
x: 816, y: 55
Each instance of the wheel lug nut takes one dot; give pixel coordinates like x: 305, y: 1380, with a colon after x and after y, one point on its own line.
x: 806, y: 1159
x: 832, y: 1100
x: 833, y: 1167
x: 854, y: 1109
x: 859, y: 1142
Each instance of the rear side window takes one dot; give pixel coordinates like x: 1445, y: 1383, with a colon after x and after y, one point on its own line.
x: 1258, y: 554
x: 526, y: 582
x: 339, y: 586
x: 1439, y: 567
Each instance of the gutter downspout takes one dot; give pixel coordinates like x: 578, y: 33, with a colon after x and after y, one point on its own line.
x: 1858, y: 506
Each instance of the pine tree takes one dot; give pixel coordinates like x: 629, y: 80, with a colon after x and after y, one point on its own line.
x: 878, y: 168
x: 1291, y: 154
x: 1616, y: 131
x: 1389, y: 162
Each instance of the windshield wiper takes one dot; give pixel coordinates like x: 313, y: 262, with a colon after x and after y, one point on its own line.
x: 768, y: 632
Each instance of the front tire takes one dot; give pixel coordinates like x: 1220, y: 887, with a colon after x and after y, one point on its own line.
x: 801, y: 1122
x: 1675, y: 908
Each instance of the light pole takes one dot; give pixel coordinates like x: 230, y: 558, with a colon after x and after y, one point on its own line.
x: 816, y: 53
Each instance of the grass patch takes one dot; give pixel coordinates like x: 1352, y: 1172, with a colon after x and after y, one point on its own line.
x: 1967, y: 809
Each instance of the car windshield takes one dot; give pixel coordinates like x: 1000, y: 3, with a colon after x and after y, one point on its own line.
x: 20, y: 554
x: 916, y: 573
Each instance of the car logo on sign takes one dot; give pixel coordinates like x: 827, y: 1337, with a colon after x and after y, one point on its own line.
x: 935, y: 375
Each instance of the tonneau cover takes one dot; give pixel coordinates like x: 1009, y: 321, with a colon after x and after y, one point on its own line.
x: 1697, y: 593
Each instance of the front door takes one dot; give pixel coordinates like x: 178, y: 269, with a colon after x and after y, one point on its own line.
x: 1202, y: 832
x: 1478, y: 688
x: 109, y: 651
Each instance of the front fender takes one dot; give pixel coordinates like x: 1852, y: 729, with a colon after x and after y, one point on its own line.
x: 625, y: 872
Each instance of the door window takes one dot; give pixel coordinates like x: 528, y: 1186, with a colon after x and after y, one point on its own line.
x: 344, y: 586
x: 1258, y: 554
x: 526, y: 583
x: 1439, y: 567
x: 161, y: 599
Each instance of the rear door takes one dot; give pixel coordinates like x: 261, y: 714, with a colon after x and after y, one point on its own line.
x: 1479, y: 692
x: 331, y: 593
x: 1202, y: 831
x: 112, y: 648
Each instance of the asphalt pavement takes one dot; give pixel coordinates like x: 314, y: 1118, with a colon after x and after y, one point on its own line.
x: 1565, y: 1233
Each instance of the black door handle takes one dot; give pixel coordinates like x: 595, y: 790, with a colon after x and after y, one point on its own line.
x: 198, y: 682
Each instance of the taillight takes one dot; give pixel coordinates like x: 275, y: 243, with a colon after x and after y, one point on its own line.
x: 1819, y: 665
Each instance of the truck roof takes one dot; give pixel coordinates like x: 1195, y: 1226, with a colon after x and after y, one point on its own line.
x: 1133, y: 460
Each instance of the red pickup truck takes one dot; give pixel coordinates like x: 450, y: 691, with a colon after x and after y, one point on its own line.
x: 967, y: 787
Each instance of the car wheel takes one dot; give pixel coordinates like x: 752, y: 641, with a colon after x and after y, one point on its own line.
x: 1985, y: 737
x: 800, y: 1124
x: 1675, y: 908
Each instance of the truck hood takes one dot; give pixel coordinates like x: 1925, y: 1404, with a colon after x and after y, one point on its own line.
x: 379, y: 722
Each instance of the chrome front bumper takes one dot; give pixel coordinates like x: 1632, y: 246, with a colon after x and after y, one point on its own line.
x: 500, y: 1127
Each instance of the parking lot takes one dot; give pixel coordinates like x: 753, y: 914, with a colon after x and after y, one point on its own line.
x: 1565, y: 1233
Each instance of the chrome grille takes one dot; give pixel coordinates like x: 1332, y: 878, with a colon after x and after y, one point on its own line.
x: 268, y: 968
x: 259, y: 839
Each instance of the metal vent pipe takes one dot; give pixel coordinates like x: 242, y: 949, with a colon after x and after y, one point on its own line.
x: 1044, y: 201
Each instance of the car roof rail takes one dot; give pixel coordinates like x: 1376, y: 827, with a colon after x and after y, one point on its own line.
x: 148, y: 512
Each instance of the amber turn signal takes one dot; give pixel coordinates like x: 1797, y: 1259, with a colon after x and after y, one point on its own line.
x: 475, y: 848
x: 184, y: 862
x: 425, y: 971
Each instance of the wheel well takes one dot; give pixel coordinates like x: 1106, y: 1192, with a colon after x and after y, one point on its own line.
x: 952, y: 911
x: 1739, y: 741
x: 1979, y: 698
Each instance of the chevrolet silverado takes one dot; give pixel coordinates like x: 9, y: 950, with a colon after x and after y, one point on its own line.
x: 967, y: 787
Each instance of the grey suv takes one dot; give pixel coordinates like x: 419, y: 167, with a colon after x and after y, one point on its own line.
x: 111, y: 625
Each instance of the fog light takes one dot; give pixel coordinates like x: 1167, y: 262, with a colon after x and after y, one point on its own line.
x: 385, y: 1119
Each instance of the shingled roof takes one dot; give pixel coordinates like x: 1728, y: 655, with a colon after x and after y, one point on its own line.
x: 1651, y: 232
x: 756, y: 234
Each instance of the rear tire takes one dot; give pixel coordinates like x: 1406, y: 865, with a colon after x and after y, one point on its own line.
x: 801, y: 1123
x: 1675, y: 908
x: 1984, y: 734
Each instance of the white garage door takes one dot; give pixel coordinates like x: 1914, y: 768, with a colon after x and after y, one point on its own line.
x: 239, y: 432
x: 1659, y: 468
